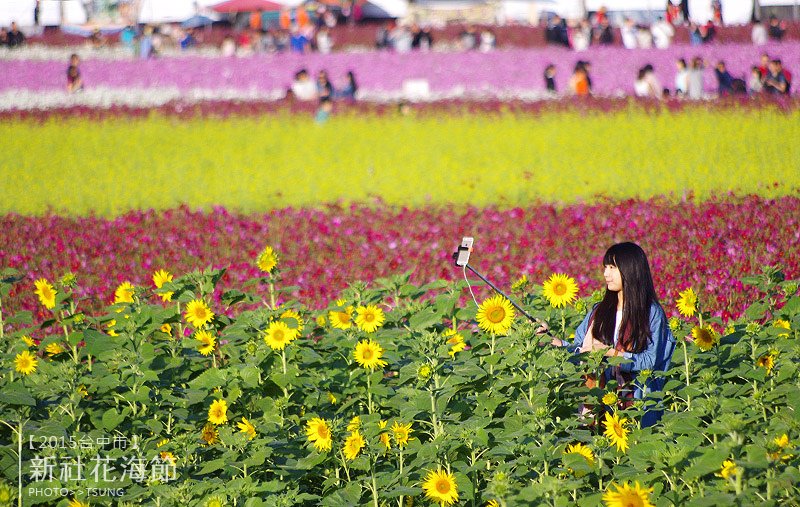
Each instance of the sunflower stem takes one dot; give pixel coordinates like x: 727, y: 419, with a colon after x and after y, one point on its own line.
x: 686, y: 371
x: 400, y: 504
x: 283, y: 364
x: 272, y: 294
x: 374, y: 484
x: 369, y: 393
x: 491, y: 354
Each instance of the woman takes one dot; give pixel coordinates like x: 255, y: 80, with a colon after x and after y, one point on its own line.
x: 629, y: 322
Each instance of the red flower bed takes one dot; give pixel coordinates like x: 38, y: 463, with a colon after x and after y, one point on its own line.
x: 708, y: 246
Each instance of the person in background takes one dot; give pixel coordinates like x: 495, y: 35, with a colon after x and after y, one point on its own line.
x: 724, y: 79
x: 382, y: 36
x: 128, y: 38
x: 324, y: 111
x: 488, y: 40
x: 587, y: 68
x: 556, y: 32
x: 776, y: 82
x: 694, y: 80
x: 674, y: 12
x: 348, y: 91
x: 187, y: 40
x: 640, y: 87
x: 550, y: 78
x: 776, y: 29
x: 146, y: 48
x: 579, y: 82
x: 628, y: 34
x: 3, y: 37
x: 604, y: 34
x: 302, y: 86
x: 15, y: 36
x: 763, y: 67
x: 324, y: 41
x: 74, y: 81
x: 324, y: 87
x: 755, y: 85
x: 662, y: 33
x: 759, y: 34
x: 681, y: 79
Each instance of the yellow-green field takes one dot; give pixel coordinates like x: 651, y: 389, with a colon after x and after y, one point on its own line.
x: 76, y: 166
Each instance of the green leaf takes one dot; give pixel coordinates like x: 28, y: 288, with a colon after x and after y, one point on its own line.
x: 424, y: 319
x: 112, y: 419
x: 16, y: 394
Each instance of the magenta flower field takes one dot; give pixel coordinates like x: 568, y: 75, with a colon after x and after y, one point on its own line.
x: 708, y: 246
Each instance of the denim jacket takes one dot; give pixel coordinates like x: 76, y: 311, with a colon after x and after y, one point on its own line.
x: 655, y: 357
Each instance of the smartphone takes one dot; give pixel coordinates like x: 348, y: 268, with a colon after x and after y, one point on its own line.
x: 464, y: 249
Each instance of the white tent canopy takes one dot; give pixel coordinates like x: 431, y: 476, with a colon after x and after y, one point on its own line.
x: 50, y: 11
x: 159, y: 11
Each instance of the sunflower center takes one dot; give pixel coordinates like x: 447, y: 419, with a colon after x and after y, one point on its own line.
x: 277, y: 335
x: 344, y: 318
x: 559, y: 289
x: 443, y: 486
x: 368, y: 317
x: 496, y: 314
x: 618, y: 431
x: 323, y: 432
x: 367, y: 354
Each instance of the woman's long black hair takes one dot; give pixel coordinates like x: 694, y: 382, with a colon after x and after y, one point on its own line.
x: 639, y: 294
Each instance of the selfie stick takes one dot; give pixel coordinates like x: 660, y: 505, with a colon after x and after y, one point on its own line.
x: 490, y: 284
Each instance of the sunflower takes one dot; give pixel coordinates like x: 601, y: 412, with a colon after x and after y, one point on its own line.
x: 368, y: 354
x: 218, y: 412
x: 267, y: 260
x: 166, y: 329
x: 783, y: 323
x: 293, y: 320
x: 110, y: 325
x: 27, y: 340
x: 167, y: 457
x: 247, y: 428
x: 369, y: 318
x: 456, y: 342
x: 319, y: 433
x: 341, y: 319
x: 215, y: 501
x: 198, y: 313
x: 53, y: 349
x: 124, y: 293
x: 495, y: 315
x: 627, y: 495
x: 581, y: 450
x: 46, y: 293
x: 332, y: 398
x: 77, y: 503
x: 687, y: 302
x: 767, y: 362
x: 492, y: 503
x: 161, y: 277
x: 278, y: 335
x: 207, y: 342
x: 209, y: 434
x: 520, y: 283
x: 354, y: 424
x: 728, y: 469
x: 440, y: 486
x: 402, y: 434
x: 705, y: 337
x: 25, y: 362
x: 320, y: 320
x: 616, y: 431
x: 610, y: 398
x: 560, y: 290
x: 386, y: 440
x: 353, y: 445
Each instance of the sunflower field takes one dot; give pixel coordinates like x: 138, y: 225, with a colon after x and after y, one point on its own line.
x: 180, y: 393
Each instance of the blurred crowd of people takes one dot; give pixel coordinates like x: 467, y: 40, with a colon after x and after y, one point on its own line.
x: 768, y: 78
